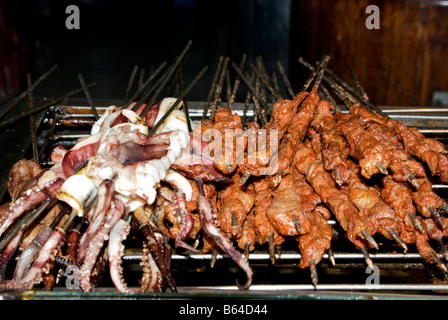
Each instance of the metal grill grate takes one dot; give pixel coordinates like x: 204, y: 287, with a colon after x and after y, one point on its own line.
x: 404, y: 273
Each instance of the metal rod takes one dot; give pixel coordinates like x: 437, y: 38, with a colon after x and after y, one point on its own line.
x: 132, y: 254
x: 334, y: 287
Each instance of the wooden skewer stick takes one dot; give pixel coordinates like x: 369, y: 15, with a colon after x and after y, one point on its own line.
x: 214, y: 257
x: 250, y: 86
x: 219, y: 87
x: 331, y: 257
x: 27, y: 91
x: 26, y: 221
x: 443, y: 249
x: 382, y: 168
x: 438, y: 219
x: 355, y: 93
x: 212, y: 88
x: 236, y: 83
x: 321, y: 70
x: 141, y: 77
x: 342, y: 94
x: 247, y: 101
x: 47, y: 104
x: 88, y: 96
x: 48, y: 136
x: 358, y: 82
x: 367, y: 257
x: 416, y: 222
x: 259, y: 111
x: 246, y: 250
x: 143, y: 88
x: 314, y: 276
x: 398, y: 240
x: 439, y: 262
x: 266, y: 84
x: 271, y: 247
x: 179, y: 99
x: 129, y: 86
x: 276, y: 85
x: 32, y: 122
x: 168, y: 75
x: 328, y: 96
x: 285, y: 79
x: 369, y: 239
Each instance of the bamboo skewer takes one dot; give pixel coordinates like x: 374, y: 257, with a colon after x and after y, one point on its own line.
x: 237, y: 83
x: 32, y: 122
x: 250, y: 86
x: 47, y: 104
x: 219, y: 87
x: 212, y: 87
x: 179, y: 99
x: 88, y: 96
x: 285, y: 79
x: 141, y: 89
x: 129, y: 86
x: 266, y: 84
x: 27, y: 91
x: 167, y: 76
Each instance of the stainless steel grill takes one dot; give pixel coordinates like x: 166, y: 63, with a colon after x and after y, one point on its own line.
x: 399, y: 273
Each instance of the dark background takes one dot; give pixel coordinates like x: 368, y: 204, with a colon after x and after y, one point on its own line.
x: 403, y: 63
x: 116, y: 35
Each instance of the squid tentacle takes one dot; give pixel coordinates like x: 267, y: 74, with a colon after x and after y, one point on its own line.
x: 205, y: 208
x: 31, y: 198
x: 151, y: 274
x: 113, y: 215
x: 180, y: 205
x: 40, y: 265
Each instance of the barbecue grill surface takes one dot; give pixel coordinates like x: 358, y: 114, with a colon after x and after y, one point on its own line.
x: 400, y: 274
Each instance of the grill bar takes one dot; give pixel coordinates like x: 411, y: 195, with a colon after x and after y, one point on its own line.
x: 135, y: 255
x: 338, y: 287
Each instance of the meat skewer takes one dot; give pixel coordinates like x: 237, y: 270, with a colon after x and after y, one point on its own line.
x: 369, y: 203
x: 404, y: 167
x: 313, y: 244
x: 334, y: 150
x: 308, y: 164
x: 205, y: 207
x: 264, y: 229
x: 399, y: 197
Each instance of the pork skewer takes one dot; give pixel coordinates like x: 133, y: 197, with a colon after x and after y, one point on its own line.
x: 399, y: 197
x: 307, y: 163
x: 404, y: 167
